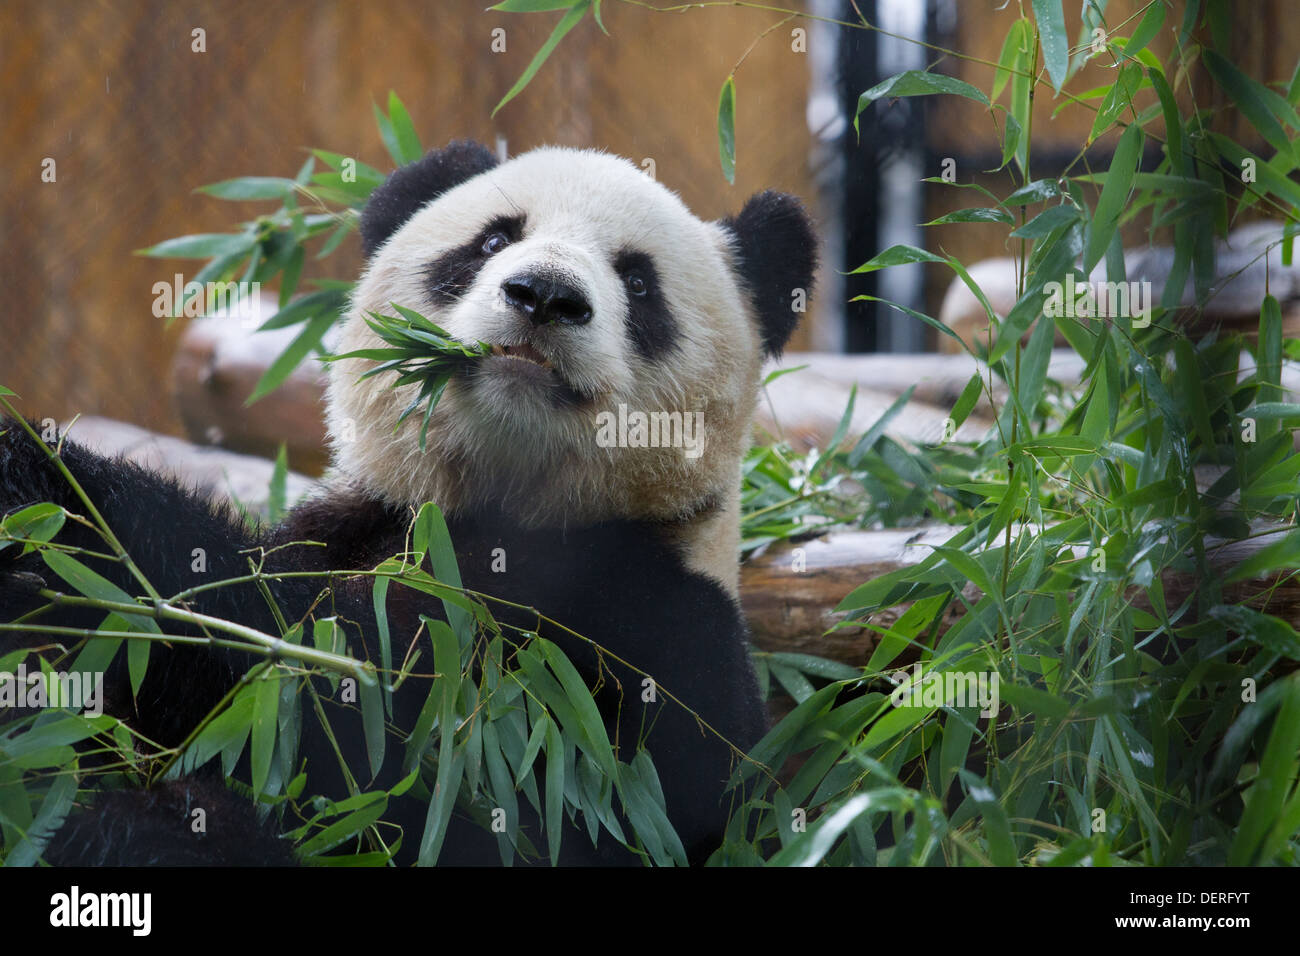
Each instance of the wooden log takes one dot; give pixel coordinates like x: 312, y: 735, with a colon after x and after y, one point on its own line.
x: 1243, y: 272
x: 225, y: 475
x: 218, y: 364
x: 789, y: 592
x: 220, y: 361
x: 804, y: 408
x: 939, y: 378
x: 791, y: 610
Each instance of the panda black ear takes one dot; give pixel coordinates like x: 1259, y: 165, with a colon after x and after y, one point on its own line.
x: 410, y: 187
x: 776, y: 254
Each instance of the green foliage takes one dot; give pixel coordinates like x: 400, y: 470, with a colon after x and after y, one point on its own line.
x: 1134, y: 722
x: 576, y: 10
x: 1128, y: 726
x: 274, y: 246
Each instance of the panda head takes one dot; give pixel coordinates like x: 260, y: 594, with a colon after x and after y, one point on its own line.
x: 603, y: 297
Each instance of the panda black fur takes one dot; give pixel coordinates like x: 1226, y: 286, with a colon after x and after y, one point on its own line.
x: 607, y: 290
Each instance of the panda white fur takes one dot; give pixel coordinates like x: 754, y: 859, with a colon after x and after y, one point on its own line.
x: 597, y: 288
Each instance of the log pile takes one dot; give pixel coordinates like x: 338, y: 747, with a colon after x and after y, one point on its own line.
x: 1247, y: 266
x: 790, y: 610
x: 788, y: 593
x: 220, y: 362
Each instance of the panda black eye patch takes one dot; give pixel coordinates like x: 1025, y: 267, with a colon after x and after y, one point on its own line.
x: 449, y: 276
x: 652, y: 328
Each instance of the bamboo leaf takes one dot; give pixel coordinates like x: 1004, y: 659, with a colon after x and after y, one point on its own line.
x: 250, y: 187
x: 1114, y: 195
x: 584, y: 707
x: 727, y: 129
x: 1264, y: 629
x: 997, y: 828
x: 431, y: 536
x: 326, y: 301
x: 34, y: 524
x: 372, y: 724
x: 873, y: 434
x: 897, y: 255
x: 534, y: 6
x: 966, y: 400
x: 570, y: 20
x: 408, y: 143
x: 1013, y: 56
x: 1276, y: 778
x: 1173, y: 120
x: 288, y: 360
x: 93, y: 585
x: 1056, y: 44
x: 55, y: 807
x: 978, y: 214
x: 1039, y: 190
x: 1250, y: 98
x: 917, y: 83
x: 1048, y: 221
x: 203, y: 246
x: 266, y: 705
x: 1146, y: 30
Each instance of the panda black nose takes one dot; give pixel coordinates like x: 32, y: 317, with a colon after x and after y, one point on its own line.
x: 544, y: 300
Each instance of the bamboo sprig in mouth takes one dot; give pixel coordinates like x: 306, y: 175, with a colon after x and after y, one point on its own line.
x: 420, y: 352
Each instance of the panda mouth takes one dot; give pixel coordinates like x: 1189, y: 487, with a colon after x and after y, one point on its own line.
x: 524, y: 353
x: 529, y: 363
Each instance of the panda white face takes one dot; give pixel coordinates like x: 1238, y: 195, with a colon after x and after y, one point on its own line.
x: 597, y: 288
x: 582, y: 263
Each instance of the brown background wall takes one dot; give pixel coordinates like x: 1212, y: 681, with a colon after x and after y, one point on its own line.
x: 135, y: 121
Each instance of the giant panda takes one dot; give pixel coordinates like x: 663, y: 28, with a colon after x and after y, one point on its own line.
x: 596, y: 288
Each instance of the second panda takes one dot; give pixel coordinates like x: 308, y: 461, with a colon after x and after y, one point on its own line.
x: 601, y: 295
